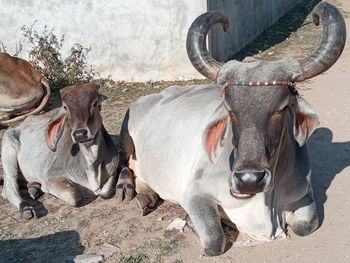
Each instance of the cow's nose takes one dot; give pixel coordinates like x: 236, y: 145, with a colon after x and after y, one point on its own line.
x: 80, y: 134
x: 251, y: 182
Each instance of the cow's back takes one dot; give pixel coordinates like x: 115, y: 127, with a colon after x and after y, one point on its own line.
x: 175, y: 118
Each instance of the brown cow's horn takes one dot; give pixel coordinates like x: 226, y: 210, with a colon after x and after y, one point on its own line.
x: 196, y: 43
x: 332, y: 45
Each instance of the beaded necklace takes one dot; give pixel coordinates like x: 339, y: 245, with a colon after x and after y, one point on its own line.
x: 233, y: 83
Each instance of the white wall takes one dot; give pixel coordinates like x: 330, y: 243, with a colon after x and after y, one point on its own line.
x: 248, y: 19
x: 140, y: 40
x: 133, y: 40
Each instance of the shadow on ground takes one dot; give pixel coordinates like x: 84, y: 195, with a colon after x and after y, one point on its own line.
x: 327, y: 160
x: 50, y: 248
x: 279, y: 31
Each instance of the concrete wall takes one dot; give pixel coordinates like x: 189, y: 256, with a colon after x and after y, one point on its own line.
x: 138, y: 40
x: 133, y: 40
x: 248, y: 19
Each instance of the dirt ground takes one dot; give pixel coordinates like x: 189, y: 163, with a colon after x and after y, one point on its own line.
x: 62, y: 231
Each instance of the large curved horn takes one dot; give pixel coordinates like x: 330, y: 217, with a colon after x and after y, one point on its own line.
x: 44, y: 101
x: 196, y: 43
x: 332, y: 45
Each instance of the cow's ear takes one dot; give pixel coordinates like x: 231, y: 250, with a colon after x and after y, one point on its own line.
x: 55, y: 129
x: 305, y: 120
x: 215, y: 133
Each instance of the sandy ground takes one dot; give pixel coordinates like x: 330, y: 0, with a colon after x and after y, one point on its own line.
x: 61, y: 230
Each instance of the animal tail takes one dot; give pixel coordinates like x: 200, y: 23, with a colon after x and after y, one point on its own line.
x: 38, y: 109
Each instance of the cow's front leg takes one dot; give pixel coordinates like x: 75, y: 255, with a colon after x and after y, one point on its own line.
x: 304, y: 219
x: 11, y: 193
x: 109, y: 188
x: 65, y: 190
x: 204, y: 215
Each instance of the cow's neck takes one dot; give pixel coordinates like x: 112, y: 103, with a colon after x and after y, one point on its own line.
x: 91, y: 152
x: 91, y: 155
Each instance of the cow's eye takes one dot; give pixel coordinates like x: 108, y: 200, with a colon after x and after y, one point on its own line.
x: 94, y: 104
x: 65, y: 107
x: 232, y: 115
x: 280, y: 112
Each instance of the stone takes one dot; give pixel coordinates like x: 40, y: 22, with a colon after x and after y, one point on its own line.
x: 177, y: 224
x: 249, y: 59
x: 108, y: 250
x: 84, y: 259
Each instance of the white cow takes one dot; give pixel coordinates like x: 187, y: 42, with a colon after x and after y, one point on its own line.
x: 240, y: 147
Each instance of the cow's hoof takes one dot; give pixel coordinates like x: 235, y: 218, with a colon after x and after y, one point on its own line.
x: 125, y: 188
x: 217, y: 242
x: 76, y: 199
x: 125, y: 192
x: 215, y: 251
x: 27, y: 213
x: 34, y: 193
x: 77, y: 202
x: 304, y: 228
x: 143, y: 202
x: 107, y: 194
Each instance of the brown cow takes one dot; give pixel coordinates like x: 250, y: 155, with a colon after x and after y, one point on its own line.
x: 23, y: 90
x: 69, y: 155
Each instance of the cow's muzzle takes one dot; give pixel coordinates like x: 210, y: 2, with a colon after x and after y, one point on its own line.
x: 81, y: 135
x: 245, y: 184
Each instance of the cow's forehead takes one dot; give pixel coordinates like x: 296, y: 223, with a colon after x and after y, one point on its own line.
x: 79, y: 94
x: 259, y: 99
x: 257, y: 93
x: 281, y: 70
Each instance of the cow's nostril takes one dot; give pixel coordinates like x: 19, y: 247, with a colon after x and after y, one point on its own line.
x: 250, y: 176
x: 260, y: 176
x: 79, y: 133
x: 250, y: 181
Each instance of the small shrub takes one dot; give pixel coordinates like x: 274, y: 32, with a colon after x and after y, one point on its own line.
x: 45, y: 55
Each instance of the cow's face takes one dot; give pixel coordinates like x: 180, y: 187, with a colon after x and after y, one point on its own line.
x: 82, y: 106
x: 80, y: 111
x: 262, y: 121
x: 262, y: 117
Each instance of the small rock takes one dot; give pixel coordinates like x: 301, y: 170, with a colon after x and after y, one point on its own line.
x: 270, y: 53
x: 246, y: 242
x: 156, y: 87
x: 249, y: 59
x: 108, y: 250
x: 84, y: 259
x: 125, y: 90
x: 177, y: 224
x: 160, y: 219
